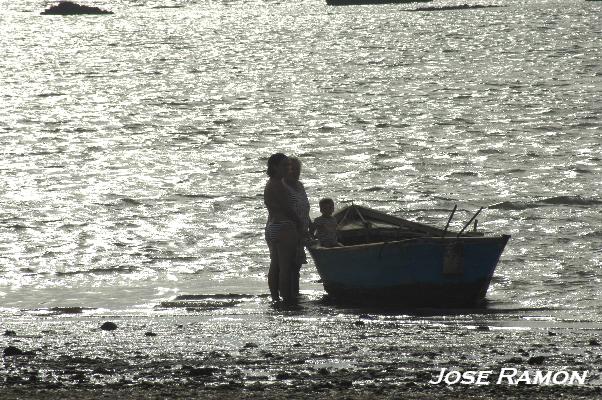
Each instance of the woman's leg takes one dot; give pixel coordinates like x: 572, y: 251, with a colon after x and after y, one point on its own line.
x: 301, y: 259
x: 287, y: 254
x: 273, y: 272
x: 296, y: 270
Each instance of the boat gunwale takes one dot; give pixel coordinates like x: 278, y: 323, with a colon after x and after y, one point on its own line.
x: 501, y: 238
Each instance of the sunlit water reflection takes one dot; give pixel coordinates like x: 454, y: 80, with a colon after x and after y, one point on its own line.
x: 134, y: 145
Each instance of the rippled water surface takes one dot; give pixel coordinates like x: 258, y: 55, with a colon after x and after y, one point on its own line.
x: 134, y: 145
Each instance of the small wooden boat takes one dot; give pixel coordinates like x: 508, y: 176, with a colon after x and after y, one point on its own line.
x: 388, y: 260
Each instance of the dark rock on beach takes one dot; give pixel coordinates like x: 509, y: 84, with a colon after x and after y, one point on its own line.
x: 537, y: 360
x: 108, y: 326
x: 594, y: 342
x: 10, y: 333
x: 283, y: 375
x: 201, y: 371
x: 12, y: 351
x: 70, y: 8
x: 267, y: 354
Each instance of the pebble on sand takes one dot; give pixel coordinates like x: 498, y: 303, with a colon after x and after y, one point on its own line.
x: 537, y: 360
x: 108, y: 326
x: 594, y: 342
x: 200, y: 371
x: 283, y: 375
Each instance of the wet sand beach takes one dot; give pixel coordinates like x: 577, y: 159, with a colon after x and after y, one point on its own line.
x: 318, y: 349
x: 282, y: 392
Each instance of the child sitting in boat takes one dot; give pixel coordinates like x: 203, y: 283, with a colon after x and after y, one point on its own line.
x: 324, y: 227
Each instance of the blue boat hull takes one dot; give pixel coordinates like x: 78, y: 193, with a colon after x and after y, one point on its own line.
x: 428, y: 271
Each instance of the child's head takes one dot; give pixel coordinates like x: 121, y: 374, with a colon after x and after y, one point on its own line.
x: 326, y: 207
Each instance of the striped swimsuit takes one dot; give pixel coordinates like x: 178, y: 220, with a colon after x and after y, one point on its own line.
x: 273, y: 229
x: 300, y: 205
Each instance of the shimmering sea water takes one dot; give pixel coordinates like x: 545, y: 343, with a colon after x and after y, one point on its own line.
x: 134, y: 145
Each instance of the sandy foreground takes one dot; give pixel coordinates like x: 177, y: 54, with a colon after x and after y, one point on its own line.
x: 136, y: 393
x: 286, y: 355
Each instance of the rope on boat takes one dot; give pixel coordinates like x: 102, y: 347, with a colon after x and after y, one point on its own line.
x: 468, y: 223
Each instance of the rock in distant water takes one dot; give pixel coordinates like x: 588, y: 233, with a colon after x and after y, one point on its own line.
x: 70, y: 8
x: 458, y: 7
x: 108, y: 326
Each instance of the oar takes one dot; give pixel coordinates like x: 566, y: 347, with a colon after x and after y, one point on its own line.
x: 449, y: 219
x: 344, y: 217
x: 360, y: 215
x: 468, y: 223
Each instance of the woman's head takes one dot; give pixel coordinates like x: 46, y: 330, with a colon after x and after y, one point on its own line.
x: 295, y: 171
x: 278, y: 165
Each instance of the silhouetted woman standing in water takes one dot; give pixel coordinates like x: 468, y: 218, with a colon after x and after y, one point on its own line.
x: 300, y: 205
x: 282, y: 231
